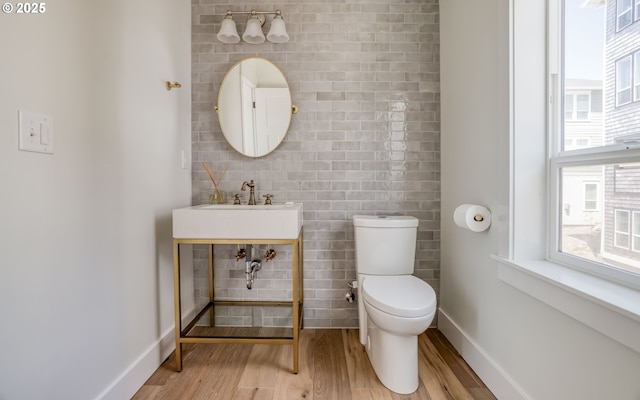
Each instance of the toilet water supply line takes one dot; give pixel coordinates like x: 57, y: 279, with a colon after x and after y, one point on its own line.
x: 350, y: 296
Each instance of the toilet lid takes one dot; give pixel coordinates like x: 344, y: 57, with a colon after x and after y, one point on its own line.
x: 401, y: 295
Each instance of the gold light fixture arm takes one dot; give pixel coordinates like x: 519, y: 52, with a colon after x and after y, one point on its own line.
x: 254, y: 12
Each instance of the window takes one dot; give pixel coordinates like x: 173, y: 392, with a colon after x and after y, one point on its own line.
x: 621, y: 237
x: 569, y: 107
x: 594, y: 183
x: 637, y: 10
x: 635, y: 244
x: 625, y: 13
x: 591, y: 196
x: 628, y: 78
x: 623, y: 81
x: 576, y: 107
x: 573, y: 143
x: 636, y: 75
x: 581, y: 143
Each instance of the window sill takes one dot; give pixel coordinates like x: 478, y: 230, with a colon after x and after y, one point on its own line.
x: 609, y: 308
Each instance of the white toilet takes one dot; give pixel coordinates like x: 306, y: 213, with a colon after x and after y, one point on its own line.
x: 394, y: 307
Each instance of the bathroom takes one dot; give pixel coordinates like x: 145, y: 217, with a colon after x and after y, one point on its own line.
x: 86, y: 282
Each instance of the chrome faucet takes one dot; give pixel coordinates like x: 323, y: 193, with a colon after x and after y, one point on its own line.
x: 252, y: 194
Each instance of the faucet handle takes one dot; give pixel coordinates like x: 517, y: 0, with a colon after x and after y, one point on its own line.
x: 267, y: 201
x: 236, y: 200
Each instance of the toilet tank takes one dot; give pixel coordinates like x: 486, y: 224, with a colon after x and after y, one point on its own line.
x: 385, y: 245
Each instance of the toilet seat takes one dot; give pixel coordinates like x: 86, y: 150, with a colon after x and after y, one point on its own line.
x: 399, y: 295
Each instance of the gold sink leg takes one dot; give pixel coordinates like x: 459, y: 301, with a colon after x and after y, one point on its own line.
x: 212, y: 310
x: 177, y: 303
x: 296, y: 303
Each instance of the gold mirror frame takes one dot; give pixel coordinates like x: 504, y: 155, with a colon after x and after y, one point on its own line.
x: 254, y: 107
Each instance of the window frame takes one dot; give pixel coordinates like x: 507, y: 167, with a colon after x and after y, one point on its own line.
x: 609, y: 306
x: 573, y: 158
x: 557, y: 159
x: 634, y: 234
x: 628, y: 10
x: 629, y: 76
x: 617, y: 231
x: 635, y: 75
x: 574, y: 105
x: 596, y: 200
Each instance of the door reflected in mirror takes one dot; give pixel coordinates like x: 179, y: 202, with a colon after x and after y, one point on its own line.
x: 254, y: 106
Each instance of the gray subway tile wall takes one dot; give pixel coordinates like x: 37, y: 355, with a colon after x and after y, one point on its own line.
x: 366, y: 140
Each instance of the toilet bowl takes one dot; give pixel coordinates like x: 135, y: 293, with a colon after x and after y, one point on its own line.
x: 402, y: 305
x: 398, y: 309
x: 394, y: 306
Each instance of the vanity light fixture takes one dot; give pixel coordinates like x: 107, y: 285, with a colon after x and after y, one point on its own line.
x: 253, y: 33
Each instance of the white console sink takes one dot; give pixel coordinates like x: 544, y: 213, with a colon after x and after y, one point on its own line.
x: 227, y: 221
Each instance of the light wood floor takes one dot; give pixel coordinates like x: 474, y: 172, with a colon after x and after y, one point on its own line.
x: 333, y: 366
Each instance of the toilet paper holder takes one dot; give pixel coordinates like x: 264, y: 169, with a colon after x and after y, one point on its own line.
x: 473, y: 217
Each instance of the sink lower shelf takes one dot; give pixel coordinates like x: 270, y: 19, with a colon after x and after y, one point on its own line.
x: 204, y: 331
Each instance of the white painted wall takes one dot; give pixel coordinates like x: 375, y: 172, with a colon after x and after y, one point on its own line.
x: 86, y: 284
x: 522, y: 348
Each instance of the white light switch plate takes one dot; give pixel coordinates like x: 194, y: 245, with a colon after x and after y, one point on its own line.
x: 35, y: 132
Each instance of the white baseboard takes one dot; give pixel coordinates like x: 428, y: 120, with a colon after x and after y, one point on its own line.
x: 496, y: 379
x: 131, y: 380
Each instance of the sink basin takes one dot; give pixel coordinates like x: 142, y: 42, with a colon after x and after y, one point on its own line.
x: 227, y: 221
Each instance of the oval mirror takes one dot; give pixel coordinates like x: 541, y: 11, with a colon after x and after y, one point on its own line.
x: 254, y: 106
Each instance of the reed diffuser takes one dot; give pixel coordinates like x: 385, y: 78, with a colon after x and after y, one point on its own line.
x: 216, y: 196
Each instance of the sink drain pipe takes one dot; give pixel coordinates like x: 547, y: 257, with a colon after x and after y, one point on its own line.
x: 251, y: 267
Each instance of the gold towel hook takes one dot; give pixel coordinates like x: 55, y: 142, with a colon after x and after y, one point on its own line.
x: 174, y: 85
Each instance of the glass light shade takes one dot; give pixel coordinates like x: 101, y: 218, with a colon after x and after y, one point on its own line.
x: 228, y: 32
x: 253, y: 33
x: 277, y: 32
